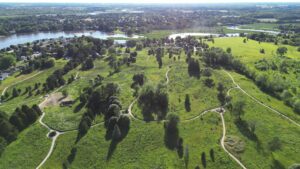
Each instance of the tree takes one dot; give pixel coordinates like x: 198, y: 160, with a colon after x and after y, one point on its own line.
x: 228, y: 50
x: 3, y: 144
x: 209, y: 82
x: 281, y: 51
x: 194, y: 68
x: 138, y: 79
x: 203, y: 159
x: 275, y: 144
x: 171, y: 131
x: 116, y: 134
x: 6, y: 61
x: 88, y: 64
x: 187, y: 103
x: 297, y: 106
x: 180, y: 147
x: 15, y: 92
x: 186, y: 156
x: 221, y: 94
x: 212, y: 155
x: 238, y: 109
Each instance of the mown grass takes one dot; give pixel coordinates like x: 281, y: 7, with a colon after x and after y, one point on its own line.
x: 250, y: 52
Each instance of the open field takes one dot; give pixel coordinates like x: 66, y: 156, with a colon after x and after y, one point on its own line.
x: 144, y: 145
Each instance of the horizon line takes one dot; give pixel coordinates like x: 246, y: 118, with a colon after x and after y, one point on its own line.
x: 170, y: 3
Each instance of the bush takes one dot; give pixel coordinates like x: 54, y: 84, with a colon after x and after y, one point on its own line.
x: 297, y: 106
x: 275, y: 144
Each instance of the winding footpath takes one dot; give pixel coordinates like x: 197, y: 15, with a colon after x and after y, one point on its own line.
x: 220, y: 110
x: 51, y: 130
x: 259, y: 102
x: 223, y: 143
x: 4, y: 90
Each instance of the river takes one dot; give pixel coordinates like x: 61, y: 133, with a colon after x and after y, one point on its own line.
x: 6, y: 41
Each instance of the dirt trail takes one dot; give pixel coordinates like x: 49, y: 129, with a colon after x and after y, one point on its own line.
x: 223, y: 144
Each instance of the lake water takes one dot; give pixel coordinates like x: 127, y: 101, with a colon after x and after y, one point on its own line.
x: 24, y: 38
x: 183, y: 35
x: 252, y: 30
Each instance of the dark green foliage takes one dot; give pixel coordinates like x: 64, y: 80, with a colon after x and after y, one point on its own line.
x: 209, y: 82
x: 294, y: 166
x: 116, y: 134
x: 72, y: 155
x: 41, y: 63
x: 275, y: 144
x: 97, y: 101
x: 194, y: 68
x: 3, y: 144
x: 25, y: 116
x: 171, y: 131
x: 207, y: 72
x: 88, y: 64
x: 55, y: 80
x: 7, y: 130
x: 187, y: 103
x: 212, y: 155
x: 159, y: 55
x: 138, y: 79
x: 203, y: 159
x: 228, y: 50
x: 276, y: 164
x: 297, y: 106
x: 15, y: 92
x: 221, y: 94
x: 180, y: 147
x: 281, y: 51
x: 238, y: 109
x: 6, y: 61
x: 84, y: 126
x: 131, y: 43
x: 154, y: 99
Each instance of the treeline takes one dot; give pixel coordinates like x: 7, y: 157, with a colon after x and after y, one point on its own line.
x: 274, y: 85
x: 38, y: 64
x: 129, y: 23
x: 21, y: 119
x: 282, y: 38
x: 104, y: 101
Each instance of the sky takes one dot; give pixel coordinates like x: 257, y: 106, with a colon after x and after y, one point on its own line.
x: 144, y: 1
